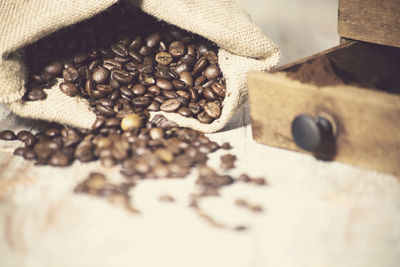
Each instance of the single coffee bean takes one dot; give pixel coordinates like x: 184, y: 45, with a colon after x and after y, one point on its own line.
x: 131, y: 122
x: 154, y: 89
x: 204, y: 118
x: 156, y: 133
x: 90, y: 85
x: 183, y: 94
x: 69, y: 89
x: 212, y: 72
x: 105, y: 111
x: 98, y: 123
x: 200, y: 65
x: 194, y: 108
x: 104, y: 89
x: 185, y: 111
x: 141, y: 101
x: 106, y: 102
x: 136, y: 56
x: 181, y: 67
x: 59, y: 159
x: 36, y: 94
x: 29, y: 154
x: 153, y: 39
x: 101, y: 75
x: 80, y: 58
x: 146, y: 79
x: 42, y: 150
x: 71, y: 75
x: 136, y: 44
x: 179, y: 85
x: 163, y: 58
x: 52, y: 132
x: 154, y: 106
x: 84, y: 152
x: 145, y: 50
x: 165, y: 155
x: 209, y: 83
x: 170, y: 105
x: 186, y: 77
x: 7, y: 135
x: 193, y: 94
x: 164, y: 84
x: 211, y: 56
x: 188, y: 59
x: 119, y: 49
x: 23, y: 135
x: 219, y: 89
x: 212, y: 110
x: 209, y: 94
x: 121, y: 76
x: 200, y: 80
x: 54, y: 68
x: 177, y: 49
x: 169, y: 94
x: 111, y: 63
x: 19, y: 151
x: 202, y: 103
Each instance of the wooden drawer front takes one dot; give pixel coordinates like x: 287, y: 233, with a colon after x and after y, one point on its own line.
x: 375, y: 21
x: 366, y: 122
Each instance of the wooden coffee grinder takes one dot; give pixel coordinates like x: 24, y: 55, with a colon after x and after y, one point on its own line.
x: 348, y: 123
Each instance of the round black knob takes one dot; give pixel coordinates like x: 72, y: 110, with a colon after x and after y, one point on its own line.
x: 311, y: 133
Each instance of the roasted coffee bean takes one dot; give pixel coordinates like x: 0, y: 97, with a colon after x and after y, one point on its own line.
x: 193, y: 94
x: 164, y: 84
x: 177, y: 49
x: 179, y: 85
x: 90, y: 85
x: 185, y: 111
x: 212, y: 72
x: 169, y: 94
x: 104, y: 89
x: 194, y: 108
x: 105, y: 111
x: 200, y: 80
x: 120, y: 49
x: 136, y: 44
x: 219, y: 89
x: 200, y: 65
x: 71, y: 75
x: 228, y: 161
x: 212, y: 110
x: 121, y: 76
x: 160, y: 98
x: 101, y: 75
x: 36, y: 94
x: 42, y: 150
x: 188, y: 59
x: 156, y: 133
x: 7, y: 135
x: 19, y: 151
x: 59, y: 159
x: 52, y: 132
x: 153, y: 39
x: 146, y: 79
x: 170, y: 105
x: 54, y: 68
x: 69, y: 89
x: 23, y: 135
x: 131, y: 122
x: 209, y: 94
x: 111, y: 63
x: 186, y: 77
x: 211, y: 57
x: 163, y: 58
x: 112, y: 122
x: 154, y: 106
x: 29, y: 154
x: 209, y: 83
x: 180, y: 68
x: 204, y: 118
x: 145, y: 50
x: 141, y: 101
x: 202, y: 103
x: 136, y: 56
x: 154, y: 89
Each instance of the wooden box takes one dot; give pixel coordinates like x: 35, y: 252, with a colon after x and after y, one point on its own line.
x: 366, y: 121
x: 374, y: 21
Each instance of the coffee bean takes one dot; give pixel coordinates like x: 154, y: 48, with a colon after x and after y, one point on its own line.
x: 164, y: 84
x: 218, y: 89
x: 145, y: 50
x: 19, y: 151
x: 163, y: 58
x: 186, y: 77
x: 204, y: 118
x: 71, y: 75
x: 154, y: 89
x: 212, y: 72
x: 136, y: 56
x: 154, y: 106
x: 69, y: 89
x: 185, y: 111
x: 23, y: 135
x: 52, y: 132
x: 7, y: 135
x: 209, y: 83
x: 141, y: 101
x: 194, y: 108
x: 104, y: 89
x: 29, y: 154
x: 36, y: 94
x: 180, y: 68
x: 209, y: 94
x: 105, y: 111
x: 54, y: 68
x: 59, y: 159
x: 179, y: 85
x: 131, y: 122
x: 200, y: 80
x: 211, y: 56
x: 160, y: 98
x: 135, y: 44
x: 188, y: 60
x: 200, y: 65
x: 101, y: 75
x: 120, y: 49
x: 212, y: 110
x: 111, y: 63
x: 121, y: 76
x: 170, y: 105
x: 177, y: 49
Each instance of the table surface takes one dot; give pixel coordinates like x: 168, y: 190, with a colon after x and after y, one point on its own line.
x: 315, y: 213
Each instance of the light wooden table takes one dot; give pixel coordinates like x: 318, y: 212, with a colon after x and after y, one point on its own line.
x: 315, y: 213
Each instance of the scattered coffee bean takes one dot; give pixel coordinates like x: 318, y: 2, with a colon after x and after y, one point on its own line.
x: 7, y: 135
x: 131, y: 122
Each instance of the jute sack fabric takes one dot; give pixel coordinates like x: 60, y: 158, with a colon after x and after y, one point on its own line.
x: 243, y: 48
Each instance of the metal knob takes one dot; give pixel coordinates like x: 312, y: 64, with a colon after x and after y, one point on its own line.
x: 314, y: 135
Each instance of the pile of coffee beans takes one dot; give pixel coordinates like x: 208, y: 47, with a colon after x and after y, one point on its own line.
x: 125, y: 61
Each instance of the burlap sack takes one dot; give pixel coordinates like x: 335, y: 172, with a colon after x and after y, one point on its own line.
x: 243, y: 48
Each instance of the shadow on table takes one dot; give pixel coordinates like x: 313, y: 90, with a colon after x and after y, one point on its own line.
x: 240, y: 119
